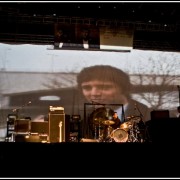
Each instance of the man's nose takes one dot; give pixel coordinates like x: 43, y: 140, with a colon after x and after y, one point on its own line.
x: 95, y: 91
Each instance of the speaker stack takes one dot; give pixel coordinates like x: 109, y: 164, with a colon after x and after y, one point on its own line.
x: 58, y: 125
x: 55, y: 130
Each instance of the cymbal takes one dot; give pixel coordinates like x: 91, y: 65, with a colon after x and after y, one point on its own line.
x: 98, y: 120
x: 108, y: 122
x: 126, y: 125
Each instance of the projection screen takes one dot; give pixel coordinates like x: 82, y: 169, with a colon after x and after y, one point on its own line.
x: 34, y: 77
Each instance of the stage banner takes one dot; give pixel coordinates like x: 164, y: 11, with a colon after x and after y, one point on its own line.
x: 91, y: 37
x: 116, y: 38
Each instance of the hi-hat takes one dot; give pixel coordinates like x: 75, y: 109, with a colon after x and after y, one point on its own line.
x: 133, y: 118
x: 108, y: 122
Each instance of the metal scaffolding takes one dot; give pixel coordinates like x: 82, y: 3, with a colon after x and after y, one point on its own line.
x: 137, y: 26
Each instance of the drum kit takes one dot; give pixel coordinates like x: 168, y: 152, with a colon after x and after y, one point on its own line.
x: 102, y: 127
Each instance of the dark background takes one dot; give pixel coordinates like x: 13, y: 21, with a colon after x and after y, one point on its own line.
x: 156, y: 25
x: 23, y: 22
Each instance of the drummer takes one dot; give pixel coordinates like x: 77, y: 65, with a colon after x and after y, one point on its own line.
x: 117, y: 121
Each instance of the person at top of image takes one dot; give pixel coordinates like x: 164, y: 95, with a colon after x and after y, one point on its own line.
x: 103, y: 85
x: 85, y: 40
x: 60, y: 39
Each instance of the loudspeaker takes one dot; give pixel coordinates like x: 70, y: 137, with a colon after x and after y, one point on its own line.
x: 59, y: 127
x: 160, y: 114
x: 31, y: 138
x: 165, y: 130
x: 39, y: 127
x: 22, y: 126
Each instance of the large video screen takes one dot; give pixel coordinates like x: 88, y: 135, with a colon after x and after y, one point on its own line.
x: 34, y: 77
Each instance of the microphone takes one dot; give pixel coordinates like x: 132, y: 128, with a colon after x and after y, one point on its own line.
x: 14, y: 110
x: 27, y: 104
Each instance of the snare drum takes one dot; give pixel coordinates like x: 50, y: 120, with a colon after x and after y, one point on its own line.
x: 119, y: 135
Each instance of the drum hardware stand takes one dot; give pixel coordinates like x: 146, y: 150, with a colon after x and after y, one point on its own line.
x: 147, y: 136
x: 179, y: 93
x: 133, y: 131
x: 141, y: 121
x: 108, y: 138
x: 95, y: 132
x: 100, y: 138
x: 133, y: 136
x: 141, y: 116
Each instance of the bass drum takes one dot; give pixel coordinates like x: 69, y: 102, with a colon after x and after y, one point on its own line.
x: 119, y: 135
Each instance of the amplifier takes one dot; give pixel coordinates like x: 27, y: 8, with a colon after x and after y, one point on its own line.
x: 159, y: 114
x: 31, y: 138
x: 39, y: 127
x: 59, y: 128
x: 56, y: 110
x: 22, y: 126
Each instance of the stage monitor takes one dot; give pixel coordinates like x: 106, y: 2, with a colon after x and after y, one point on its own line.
x: 160, y: 114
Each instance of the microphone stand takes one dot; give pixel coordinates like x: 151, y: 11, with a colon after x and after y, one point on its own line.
x: 179, y: 93
x: 17, y: 112
x: 141, y: 116
x: 141, y: 125
x: 18, y: 109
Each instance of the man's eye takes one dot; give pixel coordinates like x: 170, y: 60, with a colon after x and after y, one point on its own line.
x: 86, y: 87
x: 106, y: 87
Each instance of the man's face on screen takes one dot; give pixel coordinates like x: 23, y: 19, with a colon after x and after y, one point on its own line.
x: 104, y: 92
